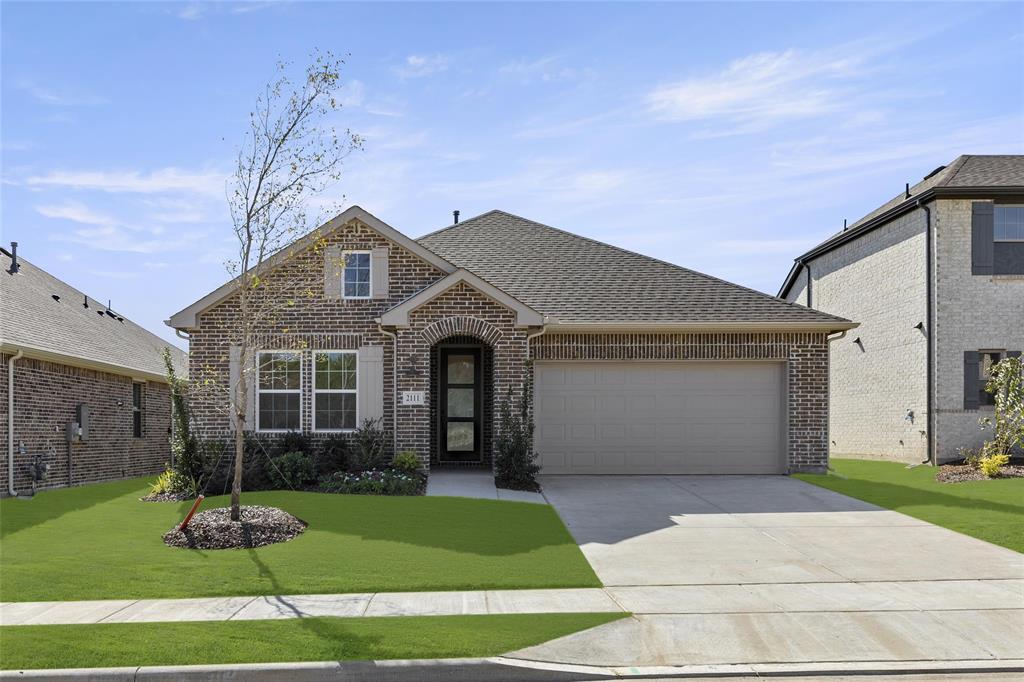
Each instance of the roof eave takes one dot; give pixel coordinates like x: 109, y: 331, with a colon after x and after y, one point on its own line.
x: 996, y: 192
x: 86, y: 363
x: 710, y: 326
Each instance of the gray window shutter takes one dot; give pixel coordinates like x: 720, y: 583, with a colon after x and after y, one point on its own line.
x: 379, y: 272
x: 982, y: 237
x: 234, y: 375
x: 334, y: 266
x: 971, y: 382
x: 1013, y: 353
x: 370, y: 383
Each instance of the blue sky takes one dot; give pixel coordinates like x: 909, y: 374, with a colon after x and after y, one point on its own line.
x: 727, y: 138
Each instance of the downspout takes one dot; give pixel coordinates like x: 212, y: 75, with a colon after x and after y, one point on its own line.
x: 10, y: 422
x: 394, y: 386
x: 929, y: 319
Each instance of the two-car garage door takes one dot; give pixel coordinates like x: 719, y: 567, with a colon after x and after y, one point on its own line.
x: 660, y: 417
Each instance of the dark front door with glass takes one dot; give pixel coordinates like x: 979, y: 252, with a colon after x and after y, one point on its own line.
x: 460, y: 403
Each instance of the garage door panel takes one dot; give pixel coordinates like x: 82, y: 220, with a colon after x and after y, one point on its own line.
x: 696, y: 417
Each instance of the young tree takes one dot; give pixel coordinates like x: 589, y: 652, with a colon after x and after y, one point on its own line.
x: 290, y: 154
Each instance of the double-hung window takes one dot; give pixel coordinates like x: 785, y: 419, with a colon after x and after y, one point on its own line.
x: 1009, y: 223
x: 357, y: 274
x: 334, y: 390
x: 278, y: 391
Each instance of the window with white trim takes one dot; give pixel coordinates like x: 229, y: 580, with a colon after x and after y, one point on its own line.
x: 1009, y: 223
x: 334, y: 390
x: 278, y: 391
x: 357, y: 274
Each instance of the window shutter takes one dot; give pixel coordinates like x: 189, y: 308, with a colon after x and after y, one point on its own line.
x: 379, y: 272
x: 971, y: 387
x: 982, y: 237
x: 1013, y: 353
x: 234, y: 376
x: 370, y: 383
x: 334, y: 268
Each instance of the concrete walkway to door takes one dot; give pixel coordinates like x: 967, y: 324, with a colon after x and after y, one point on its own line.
x: 741, y: 569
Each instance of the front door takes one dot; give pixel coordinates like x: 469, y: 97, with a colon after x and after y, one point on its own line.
x: 460, y: 401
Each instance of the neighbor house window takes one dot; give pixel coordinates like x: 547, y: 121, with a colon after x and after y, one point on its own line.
x: 334, y: 390
x: 137, y: 410
x: 279, y: 391
x: 986, y: 359
x: 357, y: 274
x: 1009, y: 223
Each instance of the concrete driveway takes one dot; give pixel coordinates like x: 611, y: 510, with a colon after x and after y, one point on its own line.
x: 745, y: 569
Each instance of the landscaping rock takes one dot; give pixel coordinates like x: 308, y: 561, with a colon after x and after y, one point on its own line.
x: 959, y: 473
x: 214, y: 529
x: 166, y: 497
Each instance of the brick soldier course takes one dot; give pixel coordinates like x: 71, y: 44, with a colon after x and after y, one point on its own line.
x: 438, y: 293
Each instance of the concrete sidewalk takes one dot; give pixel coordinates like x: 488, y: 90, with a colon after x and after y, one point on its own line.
x: 476, y: 483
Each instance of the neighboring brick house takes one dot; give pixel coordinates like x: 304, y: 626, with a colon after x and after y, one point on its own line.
x: 635, y: 365
x: 72, y: 360
x: 936, y: 279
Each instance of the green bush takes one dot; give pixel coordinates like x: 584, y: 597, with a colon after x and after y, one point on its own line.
x: 220, y: 465
x: 373, y: 482
x: 185, y: 451
x: 515, y: 462
x: 369, y: 442
x: 293, y: 441
x: 407, y: 461
x: 173, y: 482
x: 333, y: 455
x: 291, y: 470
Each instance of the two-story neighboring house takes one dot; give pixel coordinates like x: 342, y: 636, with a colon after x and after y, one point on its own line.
x: 635, y: 365
x: 936, y: 278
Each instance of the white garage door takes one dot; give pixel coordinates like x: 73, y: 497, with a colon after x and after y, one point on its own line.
x: 659, y: 418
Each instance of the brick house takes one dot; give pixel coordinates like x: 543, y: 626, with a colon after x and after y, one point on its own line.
x: 635, y: 365
x: 73, y: 361
x: 935, y: 276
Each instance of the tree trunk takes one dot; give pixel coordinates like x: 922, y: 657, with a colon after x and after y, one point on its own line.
x: 239, y: 416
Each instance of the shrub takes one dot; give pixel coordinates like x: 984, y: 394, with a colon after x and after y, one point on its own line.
x: 334, y: 455
x: 373, y: 482
x: 515, y: 462
x: 173, y: 482
x: 991, y: 465
x: 291, y: 470
x: 1006, y: 384
x: 971, y: 456
x: 185, y: 451
x: 294, y: 441
x: 220, y: 461
x: 368, y: 443
x: 407, y: 461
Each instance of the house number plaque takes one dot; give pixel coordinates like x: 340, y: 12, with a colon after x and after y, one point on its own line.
x: 413, y: 397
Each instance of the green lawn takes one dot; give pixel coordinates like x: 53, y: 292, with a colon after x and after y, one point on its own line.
x: 989, y: 510
x: 271, y: 641
x: 101, y: 542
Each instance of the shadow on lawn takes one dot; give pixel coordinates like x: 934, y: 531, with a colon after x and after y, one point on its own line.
x: 18, y: 514
x: 470, y: 526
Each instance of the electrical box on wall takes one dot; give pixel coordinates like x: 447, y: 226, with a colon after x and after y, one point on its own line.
x: 82, y: 414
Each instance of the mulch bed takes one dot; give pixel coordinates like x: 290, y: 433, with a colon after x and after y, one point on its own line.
x: 526, y: 487
x: 959, y: 473
x: 214, y: 529
x: 166, y: 497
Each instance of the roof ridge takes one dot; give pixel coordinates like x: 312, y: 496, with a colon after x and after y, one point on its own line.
x: 458, y: 224
x: 641, y: 255
x: 954, y: 167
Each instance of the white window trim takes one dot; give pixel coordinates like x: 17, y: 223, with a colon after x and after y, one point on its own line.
x: 1005, y: 241
x: 354, y: 392
x: 257, y: 390
x: 369, y: 274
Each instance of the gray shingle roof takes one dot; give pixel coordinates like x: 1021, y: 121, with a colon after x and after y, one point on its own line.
x: 30, y: 317
x: 577, y: 280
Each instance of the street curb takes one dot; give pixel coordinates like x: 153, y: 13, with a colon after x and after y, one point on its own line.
x: 502, y: 669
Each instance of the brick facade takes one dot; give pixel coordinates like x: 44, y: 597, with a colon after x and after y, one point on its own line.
x: 46, y: 395
x: 461, y: 314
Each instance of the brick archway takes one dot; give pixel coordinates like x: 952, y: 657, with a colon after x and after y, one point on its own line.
x: 461, y: 326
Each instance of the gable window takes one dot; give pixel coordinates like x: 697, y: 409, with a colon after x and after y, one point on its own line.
x: 357, y: 274
x: 987, y: 358
x: 1009, y: 223
x: 278, y: 391
x: 334, y: 390
x: 137, y: 390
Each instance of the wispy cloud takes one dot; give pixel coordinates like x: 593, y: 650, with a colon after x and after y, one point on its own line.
x: 206, y: 183
x: 60, y: 96
x: 761, y: 89
x: 192, y: 11
x: 75, y: 212
x: 546, y: 69
x: 419, y: 65
x: 118, y: 238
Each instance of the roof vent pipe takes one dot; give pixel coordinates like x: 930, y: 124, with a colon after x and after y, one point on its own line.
x: 906, y: 192
x: 455, y: 214
x: 14, y: 258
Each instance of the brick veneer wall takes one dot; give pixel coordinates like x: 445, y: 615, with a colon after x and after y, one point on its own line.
x: 46, y: 395
x: 315, y: 322
x: 806, y: 356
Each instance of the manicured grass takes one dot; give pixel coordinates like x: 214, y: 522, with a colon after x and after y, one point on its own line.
x: 989, y: 510
x: 101, y: 542
x: 271, y: 641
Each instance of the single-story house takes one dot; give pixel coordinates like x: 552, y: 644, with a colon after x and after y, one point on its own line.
x: 635, y: 365
x: 84, y: 387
